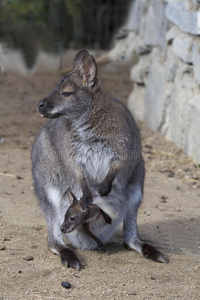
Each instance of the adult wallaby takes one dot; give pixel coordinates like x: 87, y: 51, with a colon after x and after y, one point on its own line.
x: 76, y: 217
x: 91, y: 147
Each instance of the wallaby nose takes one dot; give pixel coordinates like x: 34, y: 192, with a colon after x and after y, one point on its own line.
x: 42, y: 107
x: 41, y: 104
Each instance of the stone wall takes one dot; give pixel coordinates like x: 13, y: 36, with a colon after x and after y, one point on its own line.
x: 166, y: 91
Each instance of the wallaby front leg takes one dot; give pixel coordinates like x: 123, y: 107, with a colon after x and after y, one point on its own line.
x: 119, y: 170
x: 87, y: 198
x: 106, y: 184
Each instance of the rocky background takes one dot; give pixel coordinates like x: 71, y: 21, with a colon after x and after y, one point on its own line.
x: 166, y: 77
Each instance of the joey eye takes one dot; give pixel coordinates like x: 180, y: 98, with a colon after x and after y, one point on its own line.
x: 72, y: 218
x: 66, y: 94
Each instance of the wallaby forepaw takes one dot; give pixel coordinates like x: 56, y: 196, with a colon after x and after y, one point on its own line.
x: 105, y: 188
x: 152, y: 253
x: 69, y: 259
x: 85, y: 203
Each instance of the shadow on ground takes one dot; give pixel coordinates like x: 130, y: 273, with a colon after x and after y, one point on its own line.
x: 180, y: 236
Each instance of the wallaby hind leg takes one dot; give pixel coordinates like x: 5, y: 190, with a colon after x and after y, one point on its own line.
x: 56, y: 245
x: 98, y: 241
x: 131, y: 236
x: 51, y: 205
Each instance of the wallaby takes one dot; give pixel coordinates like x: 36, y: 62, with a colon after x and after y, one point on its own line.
x: 92, y: 147
x: 76, y: 217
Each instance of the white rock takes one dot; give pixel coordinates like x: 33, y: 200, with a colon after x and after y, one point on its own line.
x: 155, y: 96
x: 196, y: 60
x: 193, y: 144
x: 124, y: 49
x: 155, y: 26
x: 171, y: 65
x: 167, y: 75
x: 136, y: 102
x: 172, y: 33
x: 140, y: 71
x: 179, y: 14
x: 177, y: 115
x: 135, y: 15
x: 182, y: 47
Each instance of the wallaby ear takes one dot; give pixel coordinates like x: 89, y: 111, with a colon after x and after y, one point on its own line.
x: 71, y: 197
x: 79, y: 56
x: 88, y: 70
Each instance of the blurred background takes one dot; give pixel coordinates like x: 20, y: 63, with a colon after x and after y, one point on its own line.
x: 56, y: 25
x: 156, y: 41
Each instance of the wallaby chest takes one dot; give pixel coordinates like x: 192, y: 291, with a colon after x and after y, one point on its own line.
x: 95, y: 158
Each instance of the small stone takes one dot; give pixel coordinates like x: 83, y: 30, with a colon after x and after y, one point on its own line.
x: 153, y: 278
x: 28, y: 258
x: 133, y: 293
x: 163, y: 199
x: 66, y: 284
x: 33, y: 247
x: 170, y: 174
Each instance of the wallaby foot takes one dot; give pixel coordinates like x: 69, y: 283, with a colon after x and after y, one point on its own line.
x: 102, y: 248
x: 152, y: 253
x: 69, y: 259
x: 105, y: 188
x: 106, y: 184
x: 106, y: 217
x: 149, y: 252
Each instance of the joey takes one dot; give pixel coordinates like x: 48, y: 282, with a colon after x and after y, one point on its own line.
x: 75, y: 217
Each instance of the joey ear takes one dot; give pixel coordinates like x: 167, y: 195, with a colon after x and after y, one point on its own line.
x: 88, y: 70
x: 71, y: 197
x: 79, y: 56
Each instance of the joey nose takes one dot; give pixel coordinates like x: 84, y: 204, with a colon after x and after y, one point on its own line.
x: 62, y: 228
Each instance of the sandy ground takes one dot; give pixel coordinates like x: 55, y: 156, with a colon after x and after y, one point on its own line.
x: 169, y: 217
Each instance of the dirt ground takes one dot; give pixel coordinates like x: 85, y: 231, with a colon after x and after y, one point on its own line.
x: 169, y: 217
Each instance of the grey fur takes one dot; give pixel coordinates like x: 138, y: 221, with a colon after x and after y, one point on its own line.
x: 92, y: 147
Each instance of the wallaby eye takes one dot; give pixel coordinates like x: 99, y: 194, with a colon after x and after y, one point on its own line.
x: 66, y: 94
x: 72, y: 218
